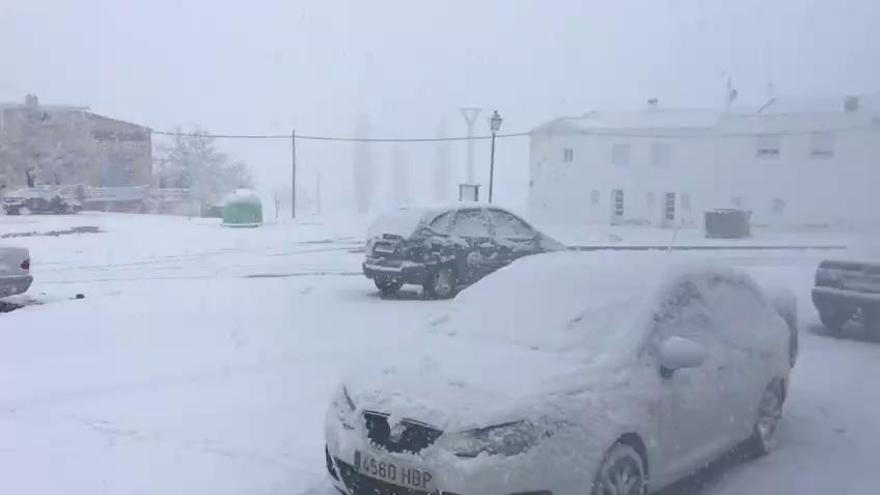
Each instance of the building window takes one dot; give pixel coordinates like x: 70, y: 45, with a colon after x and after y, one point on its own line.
x: 736, y: 201
x: 567, y: 155
x: 594, y: 197
x: 651, y: 199
x: 660, y: 154
x: 778, y: 205
x: 685, y: 202
x: 768, y: 146
x: 822, y: 145
x: 620, y: 154
x: 617, y: 195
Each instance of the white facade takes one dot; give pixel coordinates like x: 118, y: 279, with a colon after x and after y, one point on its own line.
x: 789, y: 166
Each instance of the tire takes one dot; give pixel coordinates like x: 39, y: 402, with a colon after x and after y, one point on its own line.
x: 387, y: 287
x: 833, y: 319
x: 441, y: 284
x: 622, y: 472
x: 765, y: 432
x: 872, y: 323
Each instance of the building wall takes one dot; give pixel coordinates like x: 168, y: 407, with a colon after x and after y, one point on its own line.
x: 710, y: 170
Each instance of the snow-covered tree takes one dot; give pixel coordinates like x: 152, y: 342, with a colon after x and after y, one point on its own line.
x: 362, y: 167
x: 191, y: 160
x: 48, y: 148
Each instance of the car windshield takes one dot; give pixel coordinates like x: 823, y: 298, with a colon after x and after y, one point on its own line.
x: 398, y: 247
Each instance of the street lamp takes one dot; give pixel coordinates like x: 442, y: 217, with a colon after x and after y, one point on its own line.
x: 495, y: 126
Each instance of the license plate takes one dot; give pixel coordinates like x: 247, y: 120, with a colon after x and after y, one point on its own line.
x: 394, y: 472
x: 384, y: 249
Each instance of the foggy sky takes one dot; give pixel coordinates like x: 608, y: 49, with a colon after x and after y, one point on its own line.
x: 268, y: 66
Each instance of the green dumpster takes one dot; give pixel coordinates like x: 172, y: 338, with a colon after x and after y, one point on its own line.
x: 243, y: 208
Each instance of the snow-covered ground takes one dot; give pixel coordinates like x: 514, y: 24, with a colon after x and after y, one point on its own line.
x: 201, y: 360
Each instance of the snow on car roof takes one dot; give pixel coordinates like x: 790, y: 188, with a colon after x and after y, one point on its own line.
x: 405, y: 220
x: 597, y: 302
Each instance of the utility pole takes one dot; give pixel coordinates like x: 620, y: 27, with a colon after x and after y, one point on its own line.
x: 470, y: 117
x: 293, y: 173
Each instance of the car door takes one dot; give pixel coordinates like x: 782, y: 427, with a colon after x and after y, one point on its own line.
x: 514, y: 237
x: 690, y: 428
x: 745, y: 322
x: 475, y: 248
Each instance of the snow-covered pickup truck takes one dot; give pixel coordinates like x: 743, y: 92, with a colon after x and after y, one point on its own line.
x: 15, y: 265
x: 847, y: 289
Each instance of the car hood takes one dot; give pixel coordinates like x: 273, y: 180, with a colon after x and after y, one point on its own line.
x: 459, y: 384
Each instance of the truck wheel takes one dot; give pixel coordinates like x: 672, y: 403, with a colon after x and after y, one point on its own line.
x: 872, y: 323
x: 387, y: 287
x: 833, y: 319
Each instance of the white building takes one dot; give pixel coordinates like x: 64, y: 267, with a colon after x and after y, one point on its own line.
x: 792, y: 163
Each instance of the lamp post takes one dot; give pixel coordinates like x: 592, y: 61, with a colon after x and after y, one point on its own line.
x: 495, y: 126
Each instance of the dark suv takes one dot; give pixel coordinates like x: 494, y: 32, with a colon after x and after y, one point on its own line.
x: 444, y: 249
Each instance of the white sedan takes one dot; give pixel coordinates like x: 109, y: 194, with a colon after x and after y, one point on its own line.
x: 568, y: 373
x: 15, y: 265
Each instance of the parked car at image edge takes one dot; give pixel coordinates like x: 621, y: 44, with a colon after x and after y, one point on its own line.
x: 848, y: 289
x: 448, y: 247
x: 564, y: 374
x: 15, y: 265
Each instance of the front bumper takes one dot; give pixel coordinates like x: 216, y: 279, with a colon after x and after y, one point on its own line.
x: 407, y: 272
x: 12, y: 285
x: 829, y: 297
x: 535, y: 472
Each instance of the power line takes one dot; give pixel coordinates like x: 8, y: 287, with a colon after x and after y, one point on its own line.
x: 336, y: 138
x: 691, y: 133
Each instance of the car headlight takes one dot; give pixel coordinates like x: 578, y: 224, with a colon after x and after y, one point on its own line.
x: 344, y: 408
x: 505, y: 439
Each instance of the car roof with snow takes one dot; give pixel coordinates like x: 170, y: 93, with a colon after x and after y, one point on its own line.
x: 406, y: 219
x: 566, y: 300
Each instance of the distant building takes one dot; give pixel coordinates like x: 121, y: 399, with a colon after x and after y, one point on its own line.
x: 56, y: 144
x: 792, y: 162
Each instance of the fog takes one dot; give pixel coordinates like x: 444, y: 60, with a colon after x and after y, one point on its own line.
x: 271, y: 66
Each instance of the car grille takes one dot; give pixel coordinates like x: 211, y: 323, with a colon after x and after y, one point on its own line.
x: 412, y: 438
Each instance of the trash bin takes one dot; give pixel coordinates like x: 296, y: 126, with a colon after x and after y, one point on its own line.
x: 727, y: 224
x: 243, y: 208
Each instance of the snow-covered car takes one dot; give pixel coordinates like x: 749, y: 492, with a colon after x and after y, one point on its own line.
x: 44, y: 199
x: 445, y: 248
x: 568, y: 373
x: 15, y: 265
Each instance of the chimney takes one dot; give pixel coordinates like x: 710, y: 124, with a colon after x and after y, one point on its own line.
x: 653, y: 103
x: 851, y: 104
x: 31, y: 101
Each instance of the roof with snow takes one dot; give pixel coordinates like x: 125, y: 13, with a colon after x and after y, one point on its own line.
x: 776, y: 114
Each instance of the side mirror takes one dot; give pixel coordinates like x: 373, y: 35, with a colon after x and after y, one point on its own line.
x: 679, y: 353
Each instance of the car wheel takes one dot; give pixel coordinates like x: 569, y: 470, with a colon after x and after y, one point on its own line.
x: 833, y: 319
x: 622, y: 472
x: 441, y: 284
x: 764, y: 435
x: 388, y: 287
